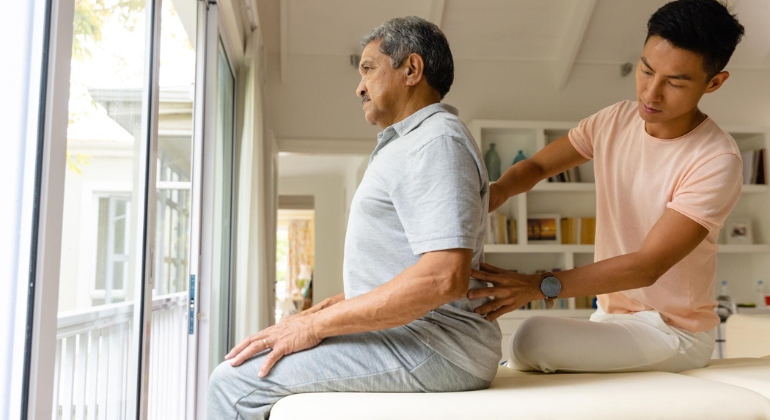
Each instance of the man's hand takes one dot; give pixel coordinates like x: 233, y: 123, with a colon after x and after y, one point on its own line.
x: 497, y: 196
x: 290, y: 336
x: 511, y: 290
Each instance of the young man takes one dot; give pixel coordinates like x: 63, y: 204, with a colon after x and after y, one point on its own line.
x: 416, y: 228
x: 666, y: 178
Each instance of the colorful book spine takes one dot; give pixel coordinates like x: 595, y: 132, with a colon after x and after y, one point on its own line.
x: 578, y: 230
x: 500, y: 229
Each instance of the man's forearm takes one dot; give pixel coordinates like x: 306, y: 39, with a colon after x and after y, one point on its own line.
x: 408, y: 296
x: 326, y: 303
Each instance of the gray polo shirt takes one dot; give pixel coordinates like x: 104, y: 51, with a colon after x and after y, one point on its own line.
x: 426, y: 189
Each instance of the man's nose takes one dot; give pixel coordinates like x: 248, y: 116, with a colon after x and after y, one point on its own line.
x: 654, y: 91
x: 361, y: 89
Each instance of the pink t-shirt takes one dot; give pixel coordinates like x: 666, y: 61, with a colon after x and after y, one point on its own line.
x: 637, y: 178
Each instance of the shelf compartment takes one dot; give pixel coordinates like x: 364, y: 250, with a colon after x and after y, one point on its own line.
x: 538, y: 249
x: 562, y: 313
x: 545, y: 186
x: 744, y: 249
x: 755, y: 189
x: 589, y: 249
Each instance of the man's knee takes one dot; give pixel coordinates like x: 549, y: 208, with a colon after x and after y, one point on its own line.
x: 223, y: 375
x: 528, y: 346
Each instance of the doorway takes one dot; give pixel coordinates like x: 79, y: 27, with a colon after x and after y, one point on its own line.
x: 295, y: 253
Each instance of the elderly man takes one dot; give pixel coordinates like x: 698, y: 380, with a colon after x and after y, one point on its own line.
x: 416, y: 229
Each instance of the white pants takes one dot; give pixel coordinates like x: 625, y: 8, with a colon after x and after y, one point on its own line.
x: 608, y: 343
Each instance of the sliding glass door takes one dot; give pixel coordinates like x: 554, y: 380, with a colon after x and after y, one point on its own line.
x: 135, y: 245
x: 170, y: 314
x: 123, y: 321
x: 104, y: 211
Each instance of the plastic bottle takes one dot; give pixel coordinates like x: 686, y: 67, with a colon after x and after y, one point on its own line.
x: 724, y: 290
x: 761, y: 294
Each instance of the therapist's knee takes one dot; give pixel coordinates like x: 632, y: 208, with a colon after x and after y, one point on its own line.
x: 529, y: 345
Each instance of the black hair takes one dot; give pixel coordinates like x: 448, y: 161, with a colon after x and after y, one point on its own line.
x: 705, y: 27
x: 403, y: 36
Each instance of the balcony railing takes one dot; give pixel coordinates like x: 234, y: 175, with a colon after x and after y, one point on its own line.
x: 93, y: 349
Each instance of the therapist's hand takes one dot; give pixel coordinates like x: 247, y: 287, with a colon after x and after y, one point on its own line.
x: 290, y: 336
x: 510, y: 290
x: 497, y: 196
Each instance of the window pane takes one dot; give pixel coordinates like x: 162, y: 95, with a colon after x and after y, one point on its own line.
x: 221, y: 299
x: 102, y: 223
x: 119, y: 228
x: 101, y: 244
x: 117, y: 275
x: 172, y: 238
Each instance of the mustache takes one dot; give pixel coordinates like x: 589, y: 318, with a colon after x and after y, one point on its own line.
x: 364, y: 98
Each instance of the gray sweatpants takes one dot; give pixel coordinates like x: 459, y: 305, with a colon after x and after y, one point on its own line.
x: 393, y: 360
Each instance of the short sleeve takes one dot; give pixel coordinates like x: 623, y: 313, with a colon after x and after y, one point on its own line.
x: 709, y: 194
x: 582, y: 137
x: 439, y: 197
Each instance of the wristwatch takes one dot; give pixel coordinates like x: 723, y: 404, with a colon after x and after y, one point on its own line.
x: 551, y: 287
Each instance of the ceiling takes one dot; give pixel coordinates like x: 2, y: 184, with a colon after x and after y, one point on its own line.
x: 528, y: 30
x: 514, y: 59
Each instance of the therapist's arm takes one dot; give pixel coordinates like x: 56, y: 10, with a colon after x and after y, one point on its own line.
x: 553, y: 159
x: 673, y: 237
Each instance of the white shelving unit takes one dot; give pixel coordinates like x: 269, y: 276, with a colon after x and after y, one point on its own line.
x: 740, y: 265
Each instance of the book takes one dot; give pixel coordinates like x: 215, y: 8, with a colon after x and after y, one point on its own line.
x: 578, y: 230
x: 754, y: 167
x: 570, y: 175
x: 500, y: 229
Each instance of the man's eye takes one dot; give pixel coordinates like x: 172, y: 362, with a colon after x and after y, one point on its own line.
x: 647, y: 72
x: 676, y: 86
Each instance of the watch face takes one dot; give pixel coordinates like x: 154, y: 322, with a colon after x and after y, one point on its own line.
x: 551, y: 286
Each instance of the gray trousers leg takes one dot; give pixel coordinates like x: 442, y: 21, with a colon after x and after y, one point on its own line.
x: 393, y: 360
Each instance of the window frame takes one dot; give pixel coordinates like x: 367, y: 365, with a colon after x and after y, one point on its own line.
x: 44, y: 304
x: 42, y: 325
x: 214, y: 33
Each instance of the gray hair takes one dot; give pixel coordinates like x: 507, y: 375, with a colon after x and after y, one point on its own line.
x: 401, y: 37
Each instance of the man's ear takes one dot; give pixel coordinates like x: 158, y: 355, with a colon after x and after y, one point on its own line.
x: 413, y: 68
x: 717, y: 81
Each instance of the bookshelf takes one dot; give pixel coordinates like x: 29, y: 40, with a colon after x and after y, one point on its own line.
x: 741, y: 265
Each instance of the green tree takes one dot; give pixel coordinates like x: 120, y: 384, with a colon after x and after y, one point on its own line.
x: 90, y: 16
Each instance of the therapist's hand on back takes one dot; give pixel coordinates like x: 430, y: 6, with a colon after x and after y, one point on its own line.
x: 511, y: 290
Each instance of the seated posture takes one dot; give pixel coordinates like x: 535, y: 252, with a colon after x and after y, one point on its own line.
x: 416, y: 229
x: 666, y: 178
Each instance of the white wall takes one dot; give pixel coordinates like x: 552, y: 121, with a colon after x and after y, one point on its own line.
x: 329, y: 194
